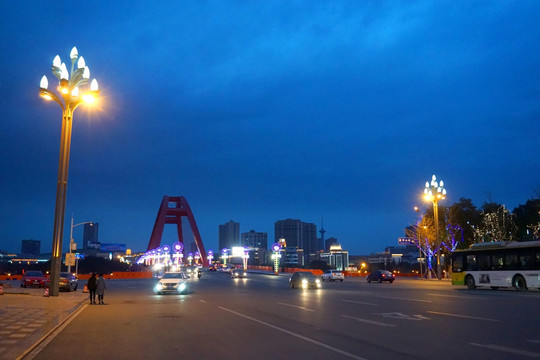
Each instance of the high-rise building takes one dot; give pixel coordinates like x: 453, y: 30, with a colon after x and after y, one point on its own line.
x: 329, y: 242
x: 90, y: 236
x: 229, y: 235
x: 255, y: 239
x: 297, y: 234
x: 336, y: 257
x: 30, y: 247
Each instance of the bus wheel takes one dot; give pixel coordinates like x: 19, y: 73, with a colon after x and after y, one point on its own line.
x: 469, y: 281
x: 519, y: 283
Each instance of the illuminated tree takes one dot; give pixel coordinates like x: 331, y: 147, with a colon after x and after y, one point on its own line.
x: 496, y: 225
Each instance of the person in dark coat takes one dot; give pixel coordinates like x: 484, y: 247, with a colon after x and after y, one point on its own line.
x: 100, y: 289
x: 92, y: 285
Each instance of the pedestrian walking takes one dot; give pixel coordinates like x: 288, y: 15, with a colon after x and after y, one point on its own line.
x: 100, y: 289
x: 92, y: 285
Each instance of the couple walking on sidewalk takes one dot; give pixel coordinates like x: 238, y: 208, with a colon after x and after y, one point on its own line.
x: 96, y: 286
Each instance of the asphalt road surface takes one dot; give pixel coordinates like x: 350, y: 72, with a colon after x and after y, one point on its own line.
x: 261, y: 317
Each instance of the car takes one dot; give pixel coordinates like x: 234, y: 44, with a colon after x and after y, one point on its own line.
x: 238, y: 273
x: 304, y: 280
x: 34, y: 278
x: 172, y: 282
x: 333, y: 275
x: 68, y: 281
x: 192, y: 271
x: 227, y: 269
x: 212, y: 268
x: 380, y: 276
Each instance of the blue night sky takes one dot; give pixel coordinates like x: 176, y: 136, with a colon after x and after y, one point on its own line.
x: 264, y: 110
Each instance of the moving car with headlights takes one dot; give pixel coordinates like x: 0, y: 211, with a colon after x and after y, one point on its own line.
x: 34, y: 278
x: 172, y: 282
x: 380, y: 276
x: 333, y: 275
x: 238, y: 273
x: 304, y: 280
x: 68, y: 282
x: 192, y: 271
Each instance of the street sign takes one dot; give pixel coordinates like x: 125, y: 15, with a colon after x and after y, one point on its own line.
x: 70, y: 259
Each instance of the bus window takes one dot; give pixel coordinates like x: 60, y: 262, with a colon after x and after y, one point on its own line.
x: 511, y: 262
x: 457, y: 264
x: 497, y: 262
x: 526, y: 261
x: 483, y: 262
x: 471, y: 263
x: 537, y: 260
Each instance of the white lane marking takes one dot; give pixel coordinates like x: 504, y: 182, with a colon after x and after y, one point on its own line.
x: 534, y: 341
x: 203, y: 301
x: 367, y: 321
x: 339, y: 351
x: 407, y: 299
x: 360, y: 302
x: 296, y: 306
x: 459, y: 297
x: 508, y: 350
x: 398, y: 315
x: 461, y: 316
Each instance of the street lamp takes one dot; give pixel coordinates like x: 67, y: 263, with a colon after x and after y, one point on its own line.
x: 276, y: 248
x: 434, y: 192
x: 69, y: 99
x: 71, y: 243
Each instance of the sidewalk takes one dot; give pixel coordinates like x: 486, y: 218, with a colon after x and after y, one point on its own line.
x: 27, y: 317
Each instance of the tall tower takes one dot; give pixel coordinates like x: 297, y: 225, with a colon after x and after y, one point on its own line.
x: 90, y: 236
x: 322, y: 231
x: 229, y: 235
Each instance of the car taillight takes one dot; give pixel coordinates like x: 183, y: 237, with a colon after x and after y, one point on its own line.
x: 383, y: 275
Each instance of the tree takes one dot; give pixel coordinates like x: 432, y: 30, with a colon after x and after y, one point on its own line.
x: 424, y: 234
x: 497, y: 224
x: 467, y: 216
x: 527, y: 220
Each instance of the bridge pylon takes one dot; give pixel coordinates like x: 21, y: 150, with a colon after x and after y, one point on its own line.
x: 171, y: 211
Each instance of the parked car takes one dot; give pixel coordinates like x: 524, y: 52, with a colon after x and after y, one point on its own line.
x: 238, y: 273
x: 333, y: 275
x: 304, y: 280
x: 68, y: 282
x: 172, y: 282
x: 34, y: 278
x: 380, y: 276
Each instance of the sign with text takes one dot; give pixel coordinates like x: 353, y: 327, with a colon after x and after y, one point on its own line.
x: 70, y: 259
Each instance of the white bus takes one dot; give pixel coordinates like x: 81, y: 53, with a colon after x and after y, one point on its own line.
x: 498, y: 264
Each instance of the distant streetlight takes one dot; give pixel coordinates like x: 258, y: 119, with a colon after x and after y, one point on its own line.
x: 71, y: 243
x: 434, y: 192
x: 417, y: 209
x: 69, y: 99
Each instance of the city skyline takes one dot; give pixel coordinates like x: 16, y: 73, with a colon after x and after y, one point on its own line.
x: 259, y: 112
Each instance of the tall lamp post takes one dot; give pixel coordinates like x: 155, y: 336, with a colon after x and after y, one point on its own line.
x: 69, y: 98
x: 434, y: 192
x: 71, y: 242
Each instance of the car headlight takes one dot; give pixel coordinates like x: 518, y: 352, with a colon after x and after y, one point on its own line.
x: 181, y: 287
x: 318, y: 281
x: 245, y: 274
x: 158, y: 287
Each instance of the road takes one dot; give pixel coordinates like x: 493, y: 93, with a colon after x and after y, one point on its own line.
x: 262, y: 318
